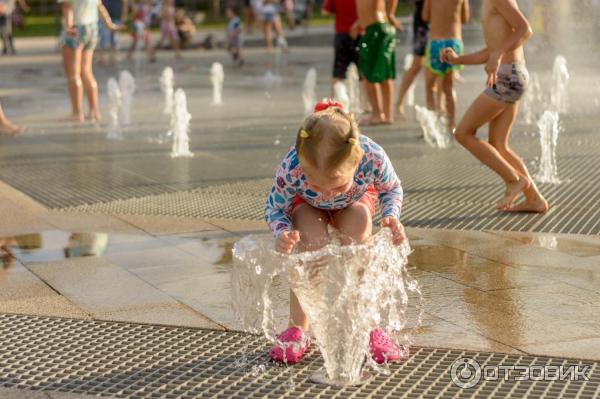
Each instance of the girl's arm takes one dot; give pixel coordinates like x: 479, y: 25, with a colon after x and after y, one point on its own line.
x: 67, y: 12
x: 280, y: 199
x: 387, y: 184
x: 106, y: 17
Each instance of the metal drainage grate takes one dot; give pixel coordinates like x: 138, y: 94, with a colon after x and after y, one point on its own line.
x: 462, y: 197
x: 145, y: 361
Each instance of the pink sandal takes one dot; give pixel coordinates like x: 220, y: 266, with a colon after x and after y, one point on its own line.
x: 382, y: 348
x: 293, y: 342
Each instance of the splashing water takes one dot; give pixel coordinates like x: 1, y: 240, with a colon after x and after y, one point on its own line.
x: 549, y: 127
x: 434, y: 127
x: 560, y: 82
x: 353, y: 83
x: 217, y: 75
x: 127, y: 85
x: 139, y: 53
x: 115, y: 99
x: 410, y: 93
x: 340, y: 94
x: 309, y: 96
x: 346, y: 291
x: 180, y: 126
x: 533, y: 97
x: 166, y: 86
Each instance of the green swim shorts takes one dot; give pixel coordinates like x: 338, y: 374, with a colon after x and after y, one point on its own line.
x: 377, y: 53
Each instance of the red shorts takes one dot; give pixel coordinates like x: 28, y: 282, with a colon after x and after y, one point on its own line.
x: 368, y: 199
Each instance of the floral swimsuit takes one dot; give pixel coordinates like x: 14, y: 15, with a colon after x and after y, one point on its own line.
x: 374, y: 169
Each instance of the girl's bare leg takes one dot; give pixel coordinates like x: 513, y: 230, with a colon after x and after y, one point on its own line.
x: 312, y: 224
x: 355, y: 224
x: 90, y: 85
x: 407, y: 80
x: 72, y: 65
x: 500, y: 128
x: 482, y: 111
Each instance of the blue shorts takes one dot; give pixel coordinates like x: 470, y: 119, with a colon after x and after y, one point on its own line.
x: 85, y: 35
x: 108, y: 38
x: 433, y: 52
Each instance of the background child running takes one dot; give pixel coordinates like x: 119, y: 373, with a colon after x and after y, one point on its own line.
x: 7, y: 10
x: 140, y: 29
x: 117, y: 9
x: 445, y: 19
x: 234, y: 36
x: 505, y: 31
x: 332, y: 176
x: 168, y: 29
x: 420, y: 38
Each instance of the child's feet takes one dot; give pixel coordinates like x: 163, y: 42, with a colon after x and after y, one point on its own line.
x: 539, y: 205
x: 293, y: 342
x: 400, y: 113
x: 95, y: 115
x: 373, y: 120
x: 513, y: 189
x: 7, y: 127
x: 382, y: 348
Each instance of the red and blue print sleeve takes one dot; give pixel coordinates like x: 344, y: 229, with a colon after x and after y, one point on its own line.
x: 386, y: 183
x: 279, y: 202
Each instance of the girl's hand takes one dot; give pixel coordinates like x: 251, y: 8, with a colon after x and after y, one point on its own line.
x: 491, y: 67
x: 398, y: 234
x: 287, y: 241
x: 71, y: 31
x: 449, y: 55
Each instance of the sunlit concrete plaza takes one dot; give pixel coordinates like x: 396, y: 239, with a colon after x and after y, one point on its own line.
x: 116, y: 256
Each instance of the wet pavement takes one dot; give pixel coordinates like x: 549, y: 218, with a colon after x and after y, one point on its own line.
x: 97, y: 229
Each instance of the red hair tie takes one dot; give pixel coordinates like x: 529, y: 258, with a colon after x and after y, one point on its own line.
x: 326, y: 103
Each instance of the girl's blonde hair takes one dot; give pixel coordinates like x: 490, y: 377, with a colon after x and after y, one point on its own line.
x: 328, y: 140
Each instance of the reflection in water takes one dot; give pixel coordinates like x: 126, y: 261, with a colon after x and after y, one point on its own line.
x: 346, y: 291
x: 58, y: 245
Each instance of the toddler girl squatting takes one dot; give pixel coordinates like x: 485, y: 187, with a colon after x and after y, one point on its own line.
x: 332, y: 176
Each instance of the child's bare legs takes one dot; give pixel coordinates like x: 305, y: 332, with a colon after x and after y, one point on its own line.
x: 447, y: 85
x: 89, y: 83
x: 387, y: 95
x: 430, y: 79
x: 483, y: 110
x: 312, y: 225
x: 377, y: 116
x: 175, y: 46
x: 6, y: 126
x: 268, y: 31
x: 72, y: 66
x: 499, y: 133
x: 407, y: 80
x: 354, y: 224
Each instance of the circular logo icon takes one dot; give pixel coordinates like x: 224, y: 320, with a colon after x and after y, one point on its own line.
x: 465, y: 372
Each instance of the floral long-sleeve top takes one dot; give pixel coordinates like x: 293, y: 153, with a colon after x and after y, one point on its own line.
x: 374, y: 169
